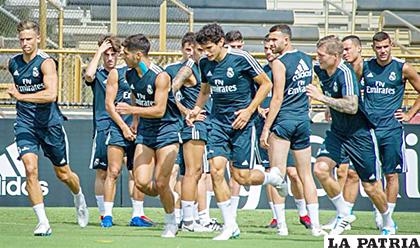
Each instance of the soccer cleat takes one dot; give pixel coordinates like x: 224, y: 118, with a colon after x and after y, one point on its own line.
x: 42, y: 229
x: 195, y: 227
x: 318, y: 232
x: 82, y: 212
x: 106, y: 222
x: 140, y: 222
x: 342, y: 223
x: 170, y: 231
x: 228, y: 232
x: 306, y: 221
x: 272, y: 224
x: 101, y: 217
x: 282, y: 229
x: 389, y: 230
x: 214, y: 225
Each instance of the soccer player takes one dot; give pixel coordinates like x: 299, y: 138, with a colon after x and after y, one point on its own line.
x: 228, y: 74
x: 158, y: 126
x: 39, y: 122
x: 234, y: 39
x: 346, y: 173
x: 384, y: 80
x: 186, y: 83
x: 349, y: 133
x: 288, y: 118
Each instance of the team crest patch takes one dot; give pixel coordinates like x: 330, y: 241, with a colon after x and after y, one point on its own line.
x: 230, y: 73
x: 149, y: 89
x: 392, y: 76
x: 335, y: 87
x: 35, y: 72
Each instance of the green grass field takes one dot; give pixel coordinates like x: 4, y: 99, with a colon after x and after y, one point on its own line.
x: 16, y: 227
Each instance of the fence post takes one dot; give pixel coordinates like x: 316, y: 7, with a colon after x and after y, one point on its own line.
x: 114, y: 19
x: 163, y: 19
x: 43, y: 23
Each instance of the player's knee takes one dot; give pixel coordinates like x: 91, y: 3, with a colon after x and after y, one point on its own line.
x: 31, y: 172
x: 113, y: 173
x: 352, y: 176
x: 63, y: 176
x: 391, y: 178
x: 161, y: 186
x: 217, y: 174
x: 321, y: 171
x: 370, y: 187
x: 292, y: 174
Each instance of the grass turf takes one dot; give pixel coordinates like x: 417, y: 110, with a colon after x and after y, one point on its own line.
x: 17, y: 224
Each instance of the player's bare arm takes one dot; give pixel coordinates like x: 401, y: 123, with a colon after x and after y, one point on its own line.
x: 279, y: 80
x: 49, y: 94
x: 203, y: 96
x: 93, y: 65
x: 111, y: 93
x: 413, y: 78
x: 347, y: 104
x: 161, y: 98
x: 180, y: 79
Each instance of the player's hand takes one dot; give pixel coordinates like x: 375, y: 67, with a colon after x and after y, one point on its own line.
x: 402, y: 116
x: 243, y: 116
x: 314, y: 93
x: 134, y: 125
x: 124, y: 108
x: 327, y: 115
x: 128, y: 135
x: 192, y: 116
x: 13, y: 92
x: 105, y: 46
x: 264, y: 138
x: 263, y: 112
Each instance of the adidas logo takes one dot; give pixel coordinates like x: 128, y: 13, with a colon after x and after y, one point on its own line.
x: 245, y: 163
x: 372, y: 177
x: 370, y: 75
x: 302, y: 71
x: 209, y: 74
x: 63, y: 161
x: 12, y: 172
x: 16, y: 73
x: 398, y: 167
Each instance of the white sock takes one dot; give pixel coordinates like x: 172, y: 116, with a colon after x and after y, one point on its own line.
x: 301, y: 207
x: 170, y: 218
x: 100, y: 203
x: 209, y: 194
x: 204, y: 217
x: 313, y: 212
x: 271, y: 177
x: 39, y: 210
x: 272, y: 210
x: 340, y: 205
x: 187, y: 210
x: 280, y: 212
x: 108, y: 208
x: 195, y: 212
x: 79, y: 198
x: 178, y: 215
x: 226, y: 209
x: 387, y: 219
x: 235, y: 202
x: 391, y: 207
x: 349, y: 206
x: 138, y: 209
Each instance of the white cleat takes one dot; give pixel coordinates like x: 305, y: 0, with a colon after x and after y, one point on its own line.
x: 228, y: 232
x: 318, y: 232
x: 195, y: 227
x: 342, y: 223
x: 389, y: 230
x: 282, y: 229
x: 280, y: 184
x: 82, y: 212
x: 42, y: 229
x: 213, y: 225
x: 332, y: 223
x: 170, y: 231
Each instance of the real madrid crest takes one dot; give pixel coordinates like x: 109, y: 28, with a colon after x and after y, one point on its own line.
x: 335, y: 87
x: 392, y: 76
x: 149, y: 89
x: 230, y: 73
x: 35, y: 72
